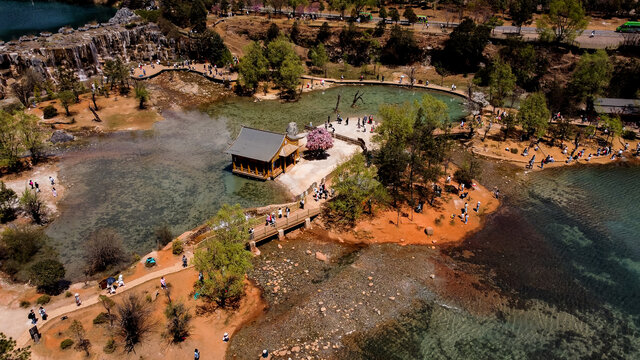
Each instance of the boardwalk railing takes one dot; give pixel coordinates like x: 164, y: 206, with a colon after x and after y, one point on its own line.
x: 285, y: 223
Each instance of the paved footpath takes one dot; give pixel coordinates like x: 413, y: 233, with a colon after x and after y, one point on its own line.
x: 25, y: 338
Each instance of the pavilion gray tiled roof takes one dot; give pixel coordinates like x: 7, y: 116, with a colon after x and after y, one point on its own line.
x: 256, y: 144
x: 617, y: 106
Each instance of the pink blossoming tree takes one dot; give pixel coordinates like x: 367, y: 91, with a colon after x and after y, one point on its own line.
x: 318, y: 141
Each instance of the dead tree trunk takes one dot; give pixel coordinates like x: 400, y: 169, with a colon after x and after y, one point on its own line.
x: 337, y: 104
x: 95, y: 115
x: 356, y: 97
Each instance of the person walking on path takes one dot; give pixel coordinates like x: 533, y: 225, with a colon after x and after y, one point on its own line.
x: 466, y: 218
x: 31, y: 183
x: 32, y: 317
x: 163, y: 283
x: 184, y: 261
x: 78, y: 301
x: 37, y: 187
x: 225, y: 337
x: 466, y: 207
x: 288, y: 211
x: 265, y: 354
x: 54, y: 192
x: 196, y: 355
x: 43, y: 314
x: 120, y: 280
x: 478, y: 206
x: 52, y: 181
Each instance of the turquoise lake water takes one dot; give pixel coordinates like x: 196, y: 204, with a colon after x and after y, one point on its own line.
x: 178, y: 173
x: 566, y: 253
x: 19, y: 18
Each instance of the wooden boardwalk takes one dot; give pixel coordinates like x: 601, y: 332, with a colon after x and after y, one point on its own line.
x: 149, y: 72
x: 263, y: 233
x: 406, y: 84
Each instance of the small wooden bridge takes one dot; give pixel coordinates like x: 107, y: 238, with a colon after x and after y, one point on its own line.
x: 263, y: 232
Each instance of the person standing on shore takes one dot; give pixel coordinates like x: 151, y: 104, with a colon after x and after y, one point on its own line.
x: 120, y: 280
x: 466, y: 218
x: 184, y: 261
x: 288, y: 211
x: 196, y: 355
x: 478, y: 206
x: 78, y: 301
x: 163, y: 283
x: 466, y: 207
x: 52, y: 181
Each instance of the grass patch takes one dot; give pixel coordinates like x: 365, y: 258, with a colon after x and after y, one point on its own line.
x: 142, y: 119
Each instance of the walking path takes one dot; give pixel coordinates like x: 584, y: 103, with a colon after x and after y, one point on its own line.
x: 149, y: 71
x: 402, y: 83
x: 24, y: 339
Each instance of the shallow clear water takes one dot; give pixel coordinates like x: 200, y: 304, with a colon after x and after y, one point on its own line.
x: 177, y: 173
x: 566, y: 254
x: 19, y: 18
x: 316, y: 106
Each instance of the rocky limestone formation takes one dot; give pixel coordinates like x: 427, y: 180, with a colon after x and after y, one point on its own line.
x: 123, y: 16
x: 292, y: 130
x: 86, y: 50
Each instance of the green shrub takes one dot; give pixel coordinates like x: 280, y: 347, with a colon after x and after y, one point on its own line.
x: 102, y: 318
x: 44, y: 299
x: 149, y: 15
x: 629, y: 135
x: 177, y: 247
x: 148, y: 298
x: 110, y: 347
x: 66, y: 343
x: 49, y: 112
x: 469, y: 170
x: 68, y: 294
x: 514, y: 150
x: 24, y: 304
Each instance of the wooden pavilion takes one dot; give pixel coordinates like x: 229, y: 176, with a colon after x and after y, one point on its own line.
x: 263, y: 154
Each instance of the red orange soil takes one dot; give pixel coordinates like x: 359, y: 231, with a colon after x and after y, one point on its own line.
x: 411, y: 230
x: 206, y: 332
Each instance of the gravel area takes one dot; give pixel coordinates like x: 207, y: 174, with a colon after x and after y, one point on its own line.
x: 315, y: 305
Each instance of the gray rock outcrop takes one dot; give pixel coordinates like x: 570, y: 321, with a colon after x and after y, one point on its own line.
x: 123, y: 16
x: 60, y: 136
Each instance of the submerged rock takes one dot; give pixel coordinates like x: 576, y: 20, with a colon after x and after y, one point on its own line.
x: 60, y: 136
